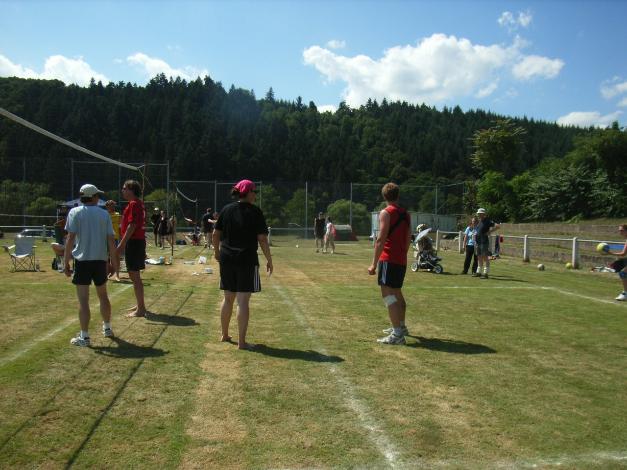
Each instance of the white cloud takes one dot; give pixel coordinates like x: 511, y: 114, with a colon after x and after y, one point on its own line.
x: 56, y: 67
x: 588, y: 119
x: 612, y: 88
x: 153, y: 66
x: 438, y: 68
x: 623, y: 103
x: 336, y: 44
x: 512, y: 22
x: 487, y: 91
x: 535, y: 66
x: 327, y: 108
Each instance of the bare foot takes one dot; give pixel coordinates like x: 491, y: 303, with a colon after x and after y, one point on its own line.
x: 246, y: 346
x: 225, y: 338
x: 135, y: 314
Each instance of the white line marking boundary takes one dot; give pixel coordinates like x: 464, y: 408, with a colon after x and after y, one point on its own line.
x: 31, y: 344
x: 375, y: 433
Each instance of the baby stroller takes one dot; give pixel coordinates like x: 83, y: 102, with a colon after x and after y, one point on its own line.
x: 426, y: 256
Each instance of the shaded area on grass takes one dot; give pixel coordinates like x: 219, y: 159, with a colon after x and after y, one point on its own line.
x: 172, y: 320
x: 313, y: 356
x: 126, y: 350
x: 450, y: 346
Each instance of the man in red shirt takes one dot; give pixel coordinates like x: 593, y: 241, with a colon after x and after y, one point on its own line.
x: 390, y: 260
x: 133, y: 243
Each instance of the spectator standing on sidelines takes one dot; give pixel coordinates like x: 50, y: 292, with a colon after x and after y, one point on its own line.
x: 133, y: 243
x: 485, y: 226
x: 319, y: 229
x: 469, y: 246
x: 207, y: 222
x: 329, y: 236
x: 390, y: 261
x: 240, y: 229
x: 90, y: 243
x: 154, y: 220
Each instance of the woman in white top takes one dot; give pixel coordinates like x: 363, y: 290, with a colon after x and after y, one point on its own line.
x: 329, y: 237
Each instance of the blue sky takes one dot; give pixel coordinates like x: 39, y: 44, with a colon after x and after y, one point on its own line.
x: 562, y: 61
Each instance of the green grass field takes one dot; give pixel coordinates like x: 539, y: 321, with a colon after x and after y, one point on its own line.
x: 523, y: 370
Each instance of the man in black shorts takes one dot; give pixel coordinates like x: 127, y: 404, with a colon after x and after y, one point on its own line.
x: 207, y: 226
x: 239, y: 230
x: 90, y: 243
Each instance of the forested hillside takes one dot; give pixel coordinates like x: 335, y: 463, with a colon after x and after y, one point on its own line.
x: 207, y: 132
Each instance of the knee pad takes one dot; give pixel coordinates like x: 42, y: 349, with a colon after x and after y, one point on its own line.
x: 389, y: 300
x: 622, y: 274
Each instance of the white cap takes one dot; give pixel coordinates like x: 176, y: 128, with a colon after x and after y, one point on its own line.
x: 481, y: 210
x: 89, y: 190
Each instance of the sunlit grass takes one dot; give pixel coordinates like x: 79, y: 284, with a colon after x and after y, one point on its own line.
x: 524, y: 368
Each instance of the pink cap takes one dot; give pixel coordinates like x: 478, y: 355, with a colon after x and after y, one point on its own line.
x: 244, y: 187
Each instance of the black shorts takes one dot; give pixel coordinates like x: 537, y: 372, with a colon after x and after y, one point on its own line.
x: 236, y: 278
x: 390, y: 274
x: 482, y: 249
x: 135, y: 255
x: 87, y: 271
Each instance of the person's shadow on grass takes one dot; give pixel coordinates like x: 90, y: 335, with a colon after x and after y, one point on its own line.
x: 173, y: 320
x: 450, y: 346
x: 125, y: 350
x: 312, y: 356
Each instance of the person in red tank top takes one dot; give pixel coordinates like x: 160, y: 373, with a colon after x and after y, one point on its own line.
x: 390, y: 261
x: 133, y: 243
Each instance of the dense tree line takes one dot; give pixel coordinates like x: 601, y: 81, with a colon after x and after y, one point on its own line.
x: 207, y: 132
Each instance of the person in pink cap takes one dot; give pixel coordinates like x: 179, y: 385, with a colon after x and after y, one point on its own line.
x: 240, y: 229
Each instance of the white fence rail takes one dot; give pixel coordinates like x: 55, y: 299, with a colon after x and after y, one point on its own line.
x: 577, y: 251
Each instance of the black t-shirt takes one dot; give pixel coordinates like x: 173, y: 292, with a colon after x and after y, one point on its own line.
x: 240, y: 223
x: 319, y: 227
x: 155, y: 218
x: 483, y: 227
x: 206, y: 225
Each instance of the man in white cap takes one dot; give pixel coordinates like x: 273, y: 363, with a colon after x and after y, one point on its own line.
x: 482, y: 242
x: 90, y: 243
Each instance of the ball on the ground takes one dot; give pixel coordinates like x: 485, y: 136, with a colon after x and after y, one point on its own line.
x: 603, y: 247
x: 296, y: 246
x: 569, y: 265
x: 541, y: 267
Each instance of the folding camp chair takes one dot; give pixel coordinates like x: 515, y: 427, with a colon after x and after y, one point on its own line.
x: 23, y: 255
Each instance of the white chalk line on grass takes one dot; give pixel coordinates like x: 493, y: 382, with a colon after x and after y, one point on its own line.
x: 30, y: 345
x: 553, y: 289
x: 375, y: 433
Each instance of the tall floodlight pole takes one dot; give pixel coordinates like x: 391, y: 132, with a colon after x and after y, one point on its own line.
x: 167, y: 192
x: 436, y: 200
x: 215, y: 196
x: 350, y: 208
x: 306, y: 208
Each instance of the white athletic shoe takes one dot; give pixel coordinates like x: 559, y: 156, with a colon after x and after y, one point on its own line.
x: 78, y: 341
x: 404, y: 331
x: 107, y: 332
x: 392, y: 339
x: 622, y: 296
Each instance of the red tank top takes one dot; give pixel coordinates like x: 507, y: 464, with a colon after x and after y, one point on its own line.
x: 395, y: 247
